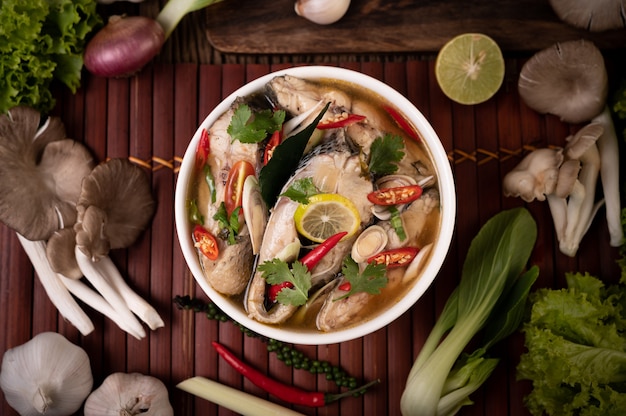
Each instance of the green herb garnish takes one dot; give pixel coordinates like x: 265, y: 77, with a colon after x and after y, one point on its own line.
x: 229, y: 225
x: 194, y: 212
x: 371, y: 280
x: 210, y: 181
x: 396, y: 222
x: 385, y: 153
x: 301, y: 190
x: 249, y: 127
x: 277, y: 271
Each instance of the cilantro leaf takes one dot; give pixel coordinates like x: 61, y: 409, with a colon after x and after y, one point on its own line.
x: 301, y: 190
x: 249, y: 127
x: 277, y: 271
x: 371, y: 280
x: 385, y: 153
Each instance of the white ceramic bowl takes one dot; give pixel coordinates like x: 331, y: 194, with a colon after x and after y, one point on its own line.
x: 440, y: 249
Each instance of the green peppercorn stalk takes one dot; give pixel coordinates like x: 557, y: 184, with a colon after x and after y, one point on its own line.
x: 289, y: 355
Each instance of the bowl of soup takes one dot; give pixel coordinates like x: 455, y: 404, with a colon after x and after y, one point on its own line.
x: 315, y: 205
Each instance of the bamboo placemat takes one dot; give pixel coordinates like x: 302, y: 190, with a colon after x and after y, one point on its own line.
x: 151, y: 118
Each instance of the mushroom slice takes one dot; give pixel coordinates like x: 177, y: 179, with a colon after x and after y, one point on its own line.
x: 369, y: 243
x: 567, y: 79
x: 114, y: 208
x: 41, y: 173
x: 594, y: 15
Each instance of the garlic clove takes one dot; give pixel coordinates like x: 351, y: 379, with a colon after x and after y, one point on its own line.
x: 129, y: 394
x: 322, y: 12
x: 46, y: 375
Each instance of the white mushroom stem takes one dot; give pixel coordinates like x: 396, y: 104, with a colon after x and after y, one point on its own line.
x: 135, y: 303
x: 609, y: 175
x: 98, y: 279
x: 558, y: 210
x: 97, y: 302
x: 55, y: 289
x: 580, y: 206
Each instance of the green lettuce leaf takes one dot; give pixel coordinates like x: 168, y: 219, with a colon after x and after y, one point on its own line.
x: 42, y: 41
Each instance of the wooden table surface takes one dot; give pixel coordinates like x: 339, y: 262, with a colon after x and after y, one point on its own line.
x: 152, y: 116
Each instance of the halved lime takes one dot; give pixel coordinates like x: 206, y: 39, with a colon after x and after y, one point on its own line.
x: 326, y: 215
x: 470, y: 68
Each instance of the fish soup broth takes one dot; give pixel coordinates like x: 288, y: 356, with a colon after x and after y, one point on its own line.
x: 420, y: 219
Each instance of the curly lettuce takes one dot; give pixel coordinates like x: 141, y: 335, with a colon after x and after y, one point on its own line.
x: 576, y: 349
x: 42, y: 41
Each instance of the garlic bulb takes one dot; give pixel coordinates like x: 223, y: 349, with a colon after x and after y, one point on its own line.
x: 46, y: 375
x: 322, y: 12
x: 129, y: 394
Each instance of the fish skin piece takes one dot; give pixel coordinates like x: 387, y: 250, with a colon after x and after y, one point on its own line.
x: 230, y: 272
x: 333, y: 166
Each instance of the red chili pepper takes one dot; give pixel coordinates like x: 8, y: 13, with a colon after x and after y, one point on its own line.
x: 344, y: 121
x: 285, y: 392
x: 396, y: 257
x: 309, y: 260
x: 395, y: 196
x: 203, y: 149
x: 271, y: 145
x: 403, y: 123
x: 345, y: 286
x: 205, y: 242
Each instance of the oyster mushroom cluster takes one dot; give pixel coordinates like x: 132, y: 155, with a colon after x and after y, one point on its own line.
x: 69, y: 213
x: 569, y: 80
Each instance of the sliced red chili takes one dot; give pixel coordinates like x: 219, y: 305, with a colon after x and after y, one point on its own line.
x: 345, y: 286
x: 403, y: 123
x: 395, y: 196
x: 396, y: 257
x: 286, y: 392
x: 205, y: 242
x: 309, y: 260
x: 234, y: 184
x: 271, y: 145
x: 203, y: 149
x: 342, y: 120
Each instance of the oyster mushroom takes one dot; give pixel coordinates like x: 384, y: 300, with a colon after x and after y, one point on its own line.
x: 595, y: 16
x: 42, y: 184
x: 566, y: 178
x: 569, y: 80
x: 114, y: 207
x: 41, y: 172
x: 129, y: 394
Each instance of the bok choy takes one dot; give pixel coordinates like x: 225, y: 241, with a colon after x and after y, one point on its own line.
x: 491, y: 297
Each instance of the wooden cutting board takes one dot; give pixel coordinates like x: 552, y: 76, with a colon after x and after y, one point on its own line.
x: 379, y: 26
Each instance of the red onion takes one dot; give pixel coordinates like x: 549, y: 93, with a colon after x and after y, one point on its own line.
x: 123, y: 46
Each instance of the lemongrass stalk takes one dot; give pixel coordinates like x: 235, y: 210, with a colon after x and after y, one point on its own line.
x: 135, y: 303
x: 97, y: 302
x: 56, y: 291
x: 230, y: 398
x: 100, y: 282
x: 174, y: 10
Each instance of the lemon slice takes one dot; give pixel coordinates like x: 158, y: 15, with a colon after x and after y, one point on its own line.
x: 470, y: 68
x: 326, y: 215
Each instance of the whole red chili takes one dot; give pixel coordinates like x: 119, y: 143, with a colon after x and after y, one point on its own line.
x: 309, y: 261
x: 285, y: 392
